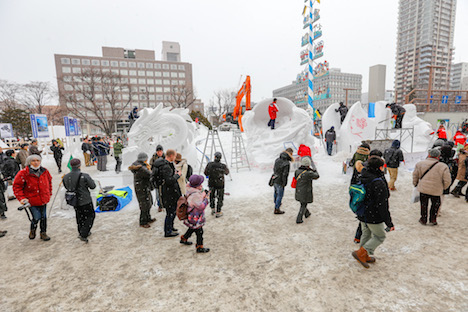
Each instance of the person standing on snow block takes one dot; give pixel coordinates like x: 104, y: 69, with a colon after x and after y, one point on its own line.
x: 196, y: 204
x: 272, y: 110
x: 330, y: 138
x: 398, y: 114
x: 80, y: 183
x: 376, y: 214
x: 343, y: 110
x: 393, y: 156
x: 33, y: 185
x: 133, y: 116
x: 280, y: 177
x: 442, y: 133
x: 143, y: 187
x: 215, y: 171
x: 304, y: 190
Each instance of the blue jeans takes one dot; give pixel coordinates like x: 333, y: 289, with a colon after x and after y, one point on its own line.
x: 39, y: 214
x: 271, y: 123
x: 278, y: 196
x: 329, y: 148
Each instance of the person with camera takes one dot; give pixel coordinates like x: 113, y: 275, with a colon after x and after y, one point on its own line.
x: 79, y: 183
x: 33, y: 186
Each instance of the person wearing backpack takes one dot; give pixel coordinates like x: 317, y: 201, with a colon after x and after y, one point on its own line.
x: 215, y: 171
x: 393, y: 156
x: 375, y: 212
x: 361, y: 154
x: 196, y: 203
x: 143, y: 188
x: 304, y: 190
x: 80, y: 183
x: 182, y: 166
x: 431, y: 177
x: 165, y: 176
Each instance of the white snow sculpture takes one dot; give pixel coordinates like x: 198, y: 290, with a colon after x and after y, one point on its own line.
x: 292, y: 125
x: 331, y: 118
x: 356, y: 127
x: 173, y: 129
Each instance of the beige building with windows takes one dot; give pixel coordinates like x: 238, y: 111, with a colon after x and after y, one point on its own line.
x: 152, y: 82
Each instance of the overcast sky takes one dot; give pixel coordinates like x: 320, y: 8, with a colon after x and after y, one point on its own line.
x: 224, y: 40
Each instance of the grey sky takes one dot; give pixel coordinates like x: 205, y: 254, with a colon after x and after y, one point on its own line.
x: 222, y: 39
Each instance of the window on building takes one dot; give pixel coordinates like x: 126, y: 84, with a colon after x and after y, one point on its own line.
x: 174, y: 82
x: 159, y: 97
x: 150, y: 73
x: 106, y: 70
x: 124, y: 72
x: 181, y: 75
x: 65, y: 60
x: 150, y: 81
x: 68, y: 87
x: 75, y: 61
x: 167, y: 89
x: 129, y: 54
x: 141, y: 73
x: 124, y: 80
x: 166, y: 82
x: 115, y: 71
x: 67, y: 78
x: 167, y: 97
x: 114, y: 63
x: 133, y: 73
x: 151, y: 97
x: 157, y: 66
x: 142, y: 81
x: 132, y: 64
x: 173, y: 66
x: 182, y: 82
x: 157, y: 74
x: 141, y: 65
x: 85, y: 62
x: 76, y: 70
x: 123, y: 64
x: 181, y: 67
x: 166, y: 74
x: 66, y: 70
x: 150, y: 89
x: 158, y: 81
x: 149, y: 65
x: 133, y: 80
x: 174, y: 75
x: 95, y: 62
x: 165, y: 66
x: 105, y: 63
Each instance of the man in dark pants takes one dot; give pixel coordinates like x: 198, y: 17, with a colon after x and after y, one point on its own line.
x: 80, y: 183
x: 398, y: 113
x: 343, y: 110
x: 330, y: 138
x: 280, y: 173
x: 170, y: 190
x: 216, y: 171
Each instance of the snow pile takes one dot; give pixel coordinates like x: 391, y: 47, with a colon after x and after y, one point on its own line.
x: 293, y: 127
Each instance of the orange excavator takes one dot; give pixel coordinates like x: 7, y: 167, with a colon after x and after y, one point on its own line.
x: 244, y: 90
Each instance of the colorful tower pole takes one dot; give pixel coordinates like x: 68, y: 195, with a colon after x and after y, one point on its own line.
x: 310, y: 93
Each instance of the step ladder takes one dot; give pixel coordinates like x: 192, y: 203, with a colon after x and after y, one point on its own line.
x: 239, y: 157
x: 212, y: 145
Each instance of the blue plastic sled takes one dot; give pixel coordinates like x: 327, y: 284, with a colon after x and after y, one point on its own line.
x: 123, y: 199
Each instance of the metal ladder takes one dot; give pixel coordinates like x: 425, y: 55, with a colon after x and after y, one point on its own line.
x: 239, y: 157
x: 212, y: 143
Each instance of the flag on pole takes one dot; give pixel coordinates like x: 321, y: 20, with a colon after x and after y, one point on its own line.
x: 305, y: 10
x: 69, y: 165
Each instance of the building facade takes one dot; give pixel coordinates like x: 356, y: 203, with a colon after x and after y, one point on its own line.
x: 425, y: 38
x: 151, y: 81
x: 377, y: 74
x: 295, y: 92
x: 458, y: 76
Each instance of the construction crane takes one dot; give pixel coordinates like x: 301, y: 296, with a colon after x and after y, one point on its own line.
x: 245, y: 90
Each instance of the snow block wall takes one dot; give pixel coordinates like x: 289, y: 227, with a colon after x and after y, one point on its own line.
x: 293, y: 125
x: 173, y: 129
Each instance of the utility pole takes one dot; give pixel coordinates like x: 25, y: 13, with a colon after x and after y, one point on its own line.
x: 347, y: 89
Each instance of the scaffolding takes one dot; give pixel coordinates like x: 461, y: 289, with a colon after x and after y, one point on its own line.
x: 239, y: 157
x: 402, y: 134
x: 213, y: 144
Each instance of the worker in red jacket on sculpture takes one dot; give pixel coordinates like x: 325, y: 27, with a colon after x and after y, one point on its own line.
x: 272, y: 110
x: 442, y: 133
x: 33, y: 185
x: 459, y: 138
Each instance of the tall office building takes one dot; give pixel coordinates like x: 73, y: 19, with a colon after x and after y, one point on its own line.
x: 458, y: 75
x: 425, y: 37
x: 170, y: 51
x: 377, y: 75
x: 151, y: 81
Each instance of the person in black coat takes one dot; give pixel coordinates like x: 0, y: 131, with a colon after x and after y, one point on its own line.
x: 280, y: 177
x: 304, y: 190
x: 81, y: 183
x: 143, y: 188
x: 376, y: 212
x: 170, y: 190
x: 398, y: 113
x: 216, y: 171
x: 57, y: 149
x: 10, y: 169
x: 343, y: 110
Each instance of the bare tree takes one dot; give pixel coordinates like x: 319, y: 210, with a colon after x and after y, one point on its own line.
x: 222, y: 102
x: 9, y: 94
x: 182, y: 97
x: 100, y: 98
x: 36, y: 95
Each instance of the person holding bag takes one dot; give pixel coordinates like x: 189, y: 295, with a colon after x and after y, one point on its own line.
x: 78, y: 184
x: 304, y: 191
x: 431, y: 178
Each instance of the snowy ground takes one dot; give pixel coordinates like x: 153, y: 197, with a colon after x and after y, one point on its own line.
x: 258, y: 261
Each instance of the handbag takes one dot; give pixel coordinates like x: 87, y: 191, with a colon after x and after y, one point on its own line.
x: 294, y: 180
x: 71, y: 196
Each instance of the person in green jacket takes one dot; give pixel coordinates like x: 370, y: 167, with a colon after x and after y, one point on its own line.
x: 118, y: 146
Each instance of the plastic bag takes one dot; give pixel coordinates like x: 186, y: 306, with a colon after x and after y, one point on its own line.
x: 415, y: 196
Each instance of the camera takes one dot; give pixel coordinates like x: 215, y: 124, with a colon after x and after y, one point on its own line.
x: 27, y: 205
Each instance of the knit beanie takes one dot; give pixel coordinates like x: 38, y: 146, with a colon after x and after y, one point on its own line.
x: 196, y: 180
x: 32, y: 157
x: 142, y: 157
x: 75, y: 163
x: 434, y: 153
x: 305, y: 161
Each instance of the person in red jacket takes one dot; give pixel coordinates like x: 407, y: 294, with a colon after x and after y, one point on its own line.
x: 33, y: 185
x: 272, y: 110
x: 459, y: 138
x: 442, y: 133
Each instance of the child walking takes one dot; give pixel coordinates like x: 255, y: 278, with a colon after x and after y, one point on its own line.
x: 304, y: 191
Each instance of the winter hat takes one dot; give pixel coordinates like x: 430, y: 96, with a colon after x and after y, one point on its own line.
x: 434, y: 153
x: 365, y: 145
x: 218, y: 155
x: 32, y: 157
x: 159, y: 148
x: 75, y: 163
x: 332, y: 128
x: 142, y: 157
x: 375, y: 152
x: 305, y: 161
x: 396, y: 144
x: 196, y: 180
x: 178, y: 157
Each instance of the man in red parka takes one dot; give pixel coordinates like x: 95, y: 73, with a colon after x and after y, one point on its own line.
x: 33, y: 185
x: 272, y: 110
x: 459, y: 138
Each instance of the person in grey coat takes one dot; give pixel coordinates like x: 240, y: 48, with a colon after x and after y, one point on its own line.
x: 81, y: 183
x: 143, y: 187
x: 304, y: 190
x: 330, y: 138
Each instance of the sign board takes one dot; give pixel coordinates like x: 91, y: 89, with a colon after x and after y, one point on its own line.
x: 371, y: 110
x: 445, y: 99
x: 39, y: 126
x: 6, y: 130
x: 72, y: 126
x: 458, y: 99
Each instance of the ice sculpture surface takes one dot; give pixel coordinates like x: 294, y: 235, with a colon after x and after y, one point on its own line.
x: 356, y: 127
x: 173, y: 129
x: 293, y: 125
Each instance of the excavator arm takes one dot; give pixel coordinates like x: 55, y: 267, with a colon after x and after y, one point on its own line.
x: 245, y: 90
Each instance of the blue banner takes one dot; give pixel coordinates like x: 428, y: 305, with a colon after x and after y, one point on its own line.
x: 458, y: 99
x: 66, y: 123
x: 371, y: 112
x: 39, y: 126
x: 445, y: 99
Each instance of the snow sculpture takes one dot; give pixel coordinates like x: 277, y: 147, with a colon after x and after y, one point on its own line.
x: 355, y: 128
x: 331, y: 118
x: 293, y: 126
x: 173, y: 129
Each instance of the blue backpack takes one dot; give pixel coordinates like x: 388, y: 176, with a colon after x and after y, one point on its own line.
x: 357, y: 194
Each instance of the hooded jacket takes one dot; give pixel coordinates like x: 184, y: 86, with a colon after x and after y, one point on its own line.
x: 304, y: 188
x: 362, y: 154
x: 170, y: 190
x: 196, y: 203
x: 142, y: 184
x: 85, y: 183
x: 101, y: 148
x: 215, y: 171
x: 330, y: 135
x: 343, y: 110
x: 281, y: 169
x: 442, y: 133
x: 304, y: 150
x: 393, y: 155
x: 21, y: 157
x: 37, y: 189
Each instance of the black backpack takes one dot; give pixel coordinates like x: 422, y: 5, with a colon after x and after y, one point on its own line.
x: 189, y: 172
x: 108, y: 203
x: 156, y: 177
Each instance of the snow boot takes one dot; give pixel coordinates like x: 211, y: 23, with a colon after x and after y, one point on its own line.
x: 145, y: 226
x: 172, y: 234
x: 456, y: 191
x: 200, y: 249
x: 213, y: 211
x: 2, y: 216
x: 83, y: 239
x: 370, y: 259
x: 152, y: 220
x: 3, y: 233
x: 300, y: 215
x: 32, y: 233
x: 307, y: 213
x: 361, y: 256
x: 278, y: 211
x: 219, y: 214
x: 44, y: 236
x: 184, y: 241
